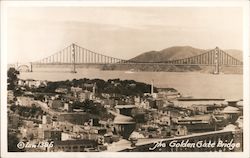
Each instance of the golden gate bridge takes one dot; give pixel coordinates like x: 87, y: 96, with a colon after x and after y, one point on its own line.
x: 76, y: 55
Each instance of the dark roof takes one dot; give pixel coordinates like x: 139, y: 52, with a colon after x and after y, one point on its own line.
x: 75, y: 142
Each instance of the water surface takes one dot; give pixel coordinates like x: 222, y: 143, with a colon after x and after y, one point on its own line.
x: 228, y: 86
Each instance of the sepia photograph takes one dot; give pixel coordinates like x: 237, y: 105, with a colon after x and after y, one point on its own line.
x: 109, y: 77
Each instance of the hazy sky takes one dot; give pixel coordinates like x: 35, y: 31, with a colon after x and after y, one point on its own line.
x: 34, y: 33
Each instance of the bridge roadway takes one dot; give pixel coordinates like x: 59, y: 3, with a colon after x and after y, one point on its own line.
x: 135, y: 63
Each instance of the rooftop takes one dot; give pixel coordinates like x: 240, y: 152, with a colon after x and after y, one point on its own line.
x: 122, y: 119
x: 75, y: 142
x: 125, y: 106
x: 119, y: 146
x: 230, y: 110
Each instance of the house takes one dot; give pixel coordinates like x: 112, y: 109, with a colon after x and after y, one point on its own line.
x: 181, y: 131
x: 78, y: 118
x: 67, y: 136
x: 75, y: 145
x: 13, y: 121
x: 165, y: 120
x: 75, y: 89
x: 25, y: 101
x: 33, y: 83
x: 67, y: 107
x: 110, y: 102
x: 86, y: 95
x: 46, y: 119
x: 197, y: 123
x: 55, y: 104
x: 137, y: 100
x: 152, y: 103
x: 159, y: 103
x: 29, y: 133
x: 232, y: 113
x: 53, y: 134
x: 202, y: 108
x: 41, y: 129
x: 21, y: 82
x: 61, y: 90
x: 10, y: 96
x: 144, y: 104
x: 125, y: 109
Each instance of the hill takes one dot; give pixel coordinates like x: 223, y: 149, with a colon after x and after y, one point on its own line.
x: 235, y: 53
x: 177, y: 52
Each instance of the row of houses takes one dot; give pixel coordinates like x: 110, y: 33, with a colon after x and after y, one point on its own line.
x: 32, y: 83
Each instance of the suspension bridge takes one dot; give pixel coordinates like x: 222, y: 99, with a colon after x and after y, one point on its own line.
x: 75, y: 55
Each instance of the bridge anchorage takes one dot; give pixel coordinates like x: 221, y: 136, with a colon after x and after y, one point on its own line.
x: 74, y: 55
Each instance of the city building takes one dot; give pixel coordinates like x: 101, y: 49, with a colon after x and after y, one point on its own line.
x: 75, y: 146
x: 125, y: 109
x: 78, y: 118
x: 61, y: 90
x: 75, y: 89
x: 10, y: 96
x: 124, y: 125
x: 53, y: 134
x: 55, y: 104
x: 86, y: 95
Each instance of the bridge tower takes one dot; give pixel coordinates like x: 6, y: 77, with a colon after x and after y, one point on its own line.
x: 73, y: 58
x: 216, y: 61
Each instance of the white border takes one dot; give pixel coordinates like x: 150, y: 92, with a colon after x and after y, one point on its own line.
x: 4, y: 6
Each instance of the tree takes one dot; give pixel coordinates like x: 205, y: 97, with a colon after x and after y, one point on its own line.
x: 12, y: 78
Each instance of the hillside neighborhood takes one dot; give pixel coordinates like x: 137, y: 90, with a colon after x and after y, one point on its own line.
x: 97, y: 115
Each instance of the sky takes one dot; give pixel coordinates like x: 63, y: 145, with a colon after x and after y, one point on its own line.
x: 122, y: 32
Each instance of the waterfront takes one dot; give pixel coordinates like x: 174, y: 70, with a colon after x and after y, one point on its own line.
x: 228, y: 86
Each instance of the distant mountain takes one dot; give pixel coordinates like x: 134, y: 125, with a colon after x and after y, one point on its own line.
x: 235, y: 53
x: 177, y: 52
